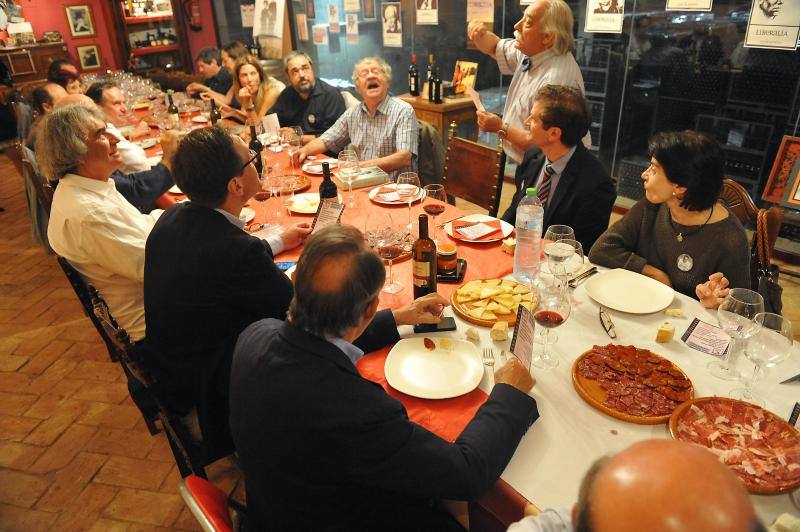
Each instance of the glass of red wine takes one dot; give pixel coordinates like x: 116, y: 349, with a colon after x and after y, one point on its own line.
x: 553, y: 310
x: 434, y: 203
x: 387, y: 240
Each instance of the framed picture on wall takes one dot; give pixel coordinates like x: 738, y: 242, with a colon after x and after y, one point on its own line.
x: 368, y: 9
x: 89, y: 56
x: 310, y: 12
x: 791, y: 198
x: 778, y: 182
x: 79, y: 20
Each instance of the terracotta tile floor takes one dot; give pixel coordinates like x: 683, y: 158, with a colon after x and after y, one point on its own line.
x: 74, y: 452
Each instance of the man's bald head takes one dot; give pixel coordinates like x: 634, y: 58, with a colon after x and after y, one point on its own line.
x: 665, y: 485
x: 71, y: 99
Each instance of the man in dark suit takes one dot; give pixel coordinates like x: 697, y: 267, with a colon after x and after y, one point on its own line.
x: 323, y: 448
x: 571, y: 183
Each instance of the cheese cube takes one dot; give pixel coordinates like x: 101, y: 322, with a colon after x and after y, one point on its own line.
x: 473, y: 334
x: 508, y: 246
x: 499, y: 331
x: 665, y: 332
x: 674, y: 312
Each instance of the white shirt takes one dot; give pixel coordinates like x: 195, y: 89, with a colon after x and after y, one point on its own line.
x: 547, y: 68
x: 550, y: 520
x: 133, y: 156
x: 103, y: 237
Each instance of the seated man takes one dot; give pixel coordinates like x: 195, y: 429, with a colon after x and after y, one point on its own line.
x: 307, y: 102
x: 111, y: 101
x: 573, y: 186
x: 383, y: 130
x: 44, y: 99
x: 323, y: 448
x: 654, y: 485
x: 215, y: 78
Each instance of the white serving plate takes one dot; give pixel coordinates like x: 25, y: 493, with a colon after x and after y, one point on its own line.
x: 438, y: 374
x: 505, y: 228
x: 306, y: 203
x: 315, y: 167
x: 147, y: 143
x: 629, y: 291
x: 374, y: 195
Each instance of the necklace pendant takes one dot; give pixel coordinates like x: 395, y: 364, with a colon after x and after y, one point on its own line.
x: 679, y: 238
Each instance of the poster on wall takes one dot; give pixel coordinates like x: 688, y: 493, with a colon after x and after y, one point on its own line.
x: 333, y: 18
x: 310, y: 9
x: 481, y: 11
x: 320, y: 32
x: 302, y: 26
x: 248, y: 14
x: 352, y: 6
x: 368, y: 9
x: 427, y: 12
x: 268, y: 18
x: 351, y: 26
x: 392, y: 24
x: 689, y: 5
x: 604, y: 16
x: 773, y: 24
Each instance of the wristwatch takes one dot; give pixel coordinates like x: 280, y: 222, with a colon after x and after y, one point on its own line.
x: 250, y: 108
x: 503, y: 131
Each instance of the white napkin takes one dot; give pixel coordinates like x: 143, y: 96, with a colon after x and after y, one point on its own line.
x: 474, y: 232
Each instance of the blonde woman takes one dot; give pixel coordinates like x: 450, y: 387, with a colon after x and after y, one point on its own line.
x: 255, y: 90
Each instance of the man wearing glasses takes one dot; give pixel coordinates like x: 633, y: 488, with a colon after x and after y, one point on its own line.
x: 383, y: 130
x: 206, y: 279
x: 308, y: 102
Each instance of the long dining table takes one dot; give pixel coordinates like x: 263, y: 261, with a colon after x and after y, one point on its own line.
x: 549, y: 463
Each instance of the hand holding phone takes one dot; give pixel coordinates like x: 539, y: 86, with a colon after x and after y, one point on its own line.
x: 446, y: 324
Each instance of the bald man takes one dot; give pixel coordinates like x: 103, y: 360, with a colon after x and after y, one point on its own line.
x: 654, y: 485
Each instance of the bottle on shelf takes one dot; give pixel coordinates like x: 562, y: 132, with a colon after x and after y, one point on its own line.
x: 429, y: 77
x: 256, y: 146
x: 151, y: 38
x: 172, y: 111
x: 413, y: 77
x: 530, y: 217
x: 436, y: 83
x: 423, y: 255
x: 327, y: 189
x: 215, y: 115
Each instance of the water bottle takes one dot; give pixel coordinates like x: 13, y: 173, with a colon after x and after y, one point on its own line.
x: 530, y: 216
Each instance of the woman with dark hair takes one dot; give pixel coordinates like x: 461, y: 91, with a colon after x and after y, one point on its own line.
x: 678, y: 234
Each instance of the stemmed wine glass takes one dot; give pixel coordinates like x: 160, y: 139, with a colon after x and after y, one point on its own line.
x: 434, y: 203
x: 348, y: 171
x: 735, y: 315
x: 768, y: 347
x: 553, y: 310
x: 273, y: 181
x: 387, y: 239
x: 559, y: 232
x: 408, y: 189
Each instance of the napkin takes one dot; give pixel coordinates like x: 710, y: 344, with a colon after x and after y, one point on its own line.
x: 475, y: 231
x: 389, y: 194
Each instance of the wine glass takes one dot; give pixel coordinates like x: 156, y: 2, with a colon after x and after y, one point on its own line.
x: 434, y: 203
x: 384, y: 237
x: 553, y: 310
x: 408, y: 189
x: 559, y: 232
x: 735, y: 315
x: 768, y: 347
x: 348, y: 171
x: 273, y: 181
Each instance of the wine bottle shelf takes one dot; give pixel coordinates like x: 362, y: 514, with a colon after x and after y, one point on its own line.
x: 146, y: 19
x: 154, y: 49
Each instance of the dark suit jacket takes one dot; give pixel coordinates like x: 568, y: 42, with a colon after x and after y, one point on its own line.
x: 142, y: 189
x: 583, y: 198
x: 324, y: 449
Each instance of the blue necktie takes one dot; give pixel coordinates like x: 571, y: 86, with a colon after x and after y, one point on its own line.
x: 526, y: 64
x: 544, y: 188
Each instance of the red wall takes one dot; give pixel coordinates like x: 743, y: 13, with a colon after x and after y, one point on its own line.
x: 205, y: 37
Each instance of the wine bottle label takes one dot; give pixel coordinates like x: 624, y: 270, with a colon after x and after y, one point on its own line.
x: 412, y: 84
x: 175, y: 120
x: 421, y: 272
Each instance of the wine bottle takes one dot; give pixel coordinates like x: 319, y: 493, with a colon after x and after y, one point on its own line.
x: 327, y: 190
x: 215, y: 114
x: 437, y: 87
x: 413, y: 77
x: 256, y: 146
x: 172, y: 112
x: 429, y: 77
x: 424, y: 261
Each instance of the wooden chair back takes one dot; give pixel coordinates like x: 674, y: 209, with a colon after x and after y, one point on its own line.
x: 736, y: 199
x: 44, y: 191
x: 474, y: 172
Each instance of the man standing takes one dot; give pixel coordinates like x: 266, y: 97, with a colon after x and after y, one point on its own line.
x: 383, y: 130
x: 540, y: 54
x: 215, y: 78
x: 573, y: 186
x: 324, y: 448
x: 308, y: 102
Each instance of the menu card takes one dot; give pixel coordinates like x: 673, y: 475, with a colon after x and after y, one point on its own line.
x: 477, y: 230
x: 522, y: 342
x: 706, y: 338
x: 329, y: 213
x: 268, y: 230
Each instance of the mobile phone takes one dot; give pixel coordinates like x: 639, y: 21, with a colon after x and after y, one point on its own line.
x: 446, y: 324
x: 283, y: 266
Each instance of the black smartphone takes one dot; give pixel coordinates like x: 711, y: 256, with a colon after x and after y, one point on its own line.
x: 446, y: 324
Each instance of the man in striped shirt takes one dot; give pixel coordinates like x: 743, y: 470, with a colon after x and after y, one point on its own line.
x: 382, y: 130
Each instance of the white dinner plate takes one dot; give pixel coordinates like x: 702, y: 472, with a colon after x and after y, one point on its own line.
x: 315, y: 168
x: 505, y: 228
x: 374, y: 195
x: 307, y: 203
x: 147, y: 143
x: 415, y: 370
x: 247, y: 214
x: 629, y: 291
x: 199, y: 119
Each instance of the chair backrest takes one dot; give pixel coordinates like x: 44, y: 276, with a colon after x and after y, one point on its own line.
x: 474, y: 172
x: 430, y: 154
x: 738, y: 201
x: 208, y: 504
x: 349, y: 99
x: 30, y: 170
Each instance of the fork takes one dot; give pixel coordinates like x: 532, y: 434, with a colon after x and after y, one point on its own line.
x: 488, y: 356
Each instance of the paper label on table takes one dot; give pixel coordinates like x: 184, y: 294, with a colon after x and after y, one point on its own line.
x: 474, y: 232
x: 329, y: 213
x: 706, y: 338
x: 476, y: 98
x: 391, y: 196
x: 795, y: 415
x: 271, y: 124
x: 522, y: 342
x: 268, y: 230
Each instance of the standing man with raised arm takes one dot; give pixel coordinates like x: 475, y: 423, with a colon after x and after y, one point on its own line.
x: 539, y: 54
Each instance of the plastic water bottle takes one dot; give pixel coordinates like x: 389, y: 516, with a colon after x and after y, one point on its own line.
x: 530, y: 216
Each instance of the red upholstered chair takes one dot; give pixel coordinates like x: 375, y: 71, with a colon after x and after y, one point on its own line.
x: 208, y: 504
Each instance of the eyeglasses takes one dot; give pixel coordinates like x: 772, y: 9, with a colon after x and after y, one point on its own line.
x: 253, y: 157
x: 374, y: 70
x: 608, y: 325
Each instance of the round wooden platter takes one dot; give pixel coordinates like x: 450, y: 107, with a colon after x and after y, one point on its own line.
x: 462, y: 309
x: 591, y: 392
x: 752, y: 488
x: 302, y: 183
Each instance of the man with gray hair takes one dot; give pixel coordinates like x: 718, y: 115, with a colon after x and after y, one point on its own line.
x: 307, y: 102
x: 323, y: 448
x: 383, y: 130
x: 111, y: 100
x: 539, y: 54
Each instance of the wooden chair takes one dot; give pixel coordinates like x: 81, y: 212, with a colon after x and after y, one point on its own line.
x: 474, y: 172
x: 44, y: 190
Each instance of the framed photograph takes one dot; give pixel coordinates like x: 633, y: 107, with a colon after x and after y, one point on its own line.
x: 310, y: 12
x: 791, y: 198
x: 79, y: 20
x: 89, y: 56
x: 778, y: 181
x: 368, y: 9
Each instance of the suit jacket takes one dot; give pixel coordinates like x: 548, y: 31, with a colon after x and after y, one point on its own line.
x: 582, y: 200
x: 142, y: 189
x: 322, y: 448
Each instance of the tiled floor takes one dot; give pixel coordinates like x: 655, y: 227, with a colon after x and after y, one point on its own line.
x: 74, y: 452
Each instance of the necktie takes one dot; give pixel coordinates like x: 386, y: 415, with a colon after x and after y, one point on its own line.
x: 544, y: 188
x: 526, y: 64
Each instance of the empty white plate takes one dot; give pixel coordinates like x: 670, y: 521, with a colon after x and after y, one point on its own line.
x: 438, y: 374
x: 629, y: 291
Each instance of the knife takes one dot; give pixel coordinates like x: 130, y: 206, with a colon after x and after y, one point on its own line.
x: 578, y: 278
x: 452, y: 220
x: 796, y: 378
